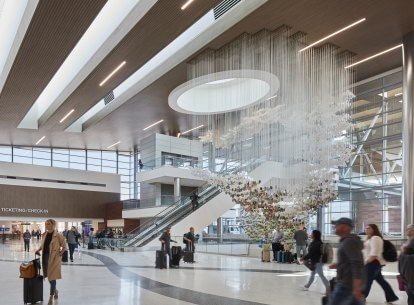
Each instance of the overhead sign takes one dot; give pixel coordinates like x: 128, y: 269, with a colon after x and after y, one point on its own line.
x: 21, y: 210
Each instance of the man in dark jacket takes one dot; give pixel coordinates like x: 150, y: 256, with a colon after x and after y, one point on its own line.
x: 166, y: 240
x: 189, y: 240
x: 350, y: 266
x: 26, y: 238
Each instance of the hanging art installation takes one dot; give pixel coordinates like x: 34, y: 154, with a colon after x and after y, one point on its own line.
x: 262, y: 98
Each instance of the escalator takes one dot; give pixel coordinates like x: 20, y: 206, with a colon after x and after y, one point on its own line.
x: 171, y: 215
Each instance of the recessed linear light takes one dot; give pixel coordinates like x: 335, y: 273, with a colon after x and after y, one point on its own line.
x: 112, y: 145
x: 192, y: 129
x: 152, y: 125
x: 398, y: 94
x: 373, y: 56
x: 112, y: 73
x: 66, y: 116
x: 40, y: 140
x: 333, y: 34
x: 186, y: 4
x: 269, y: 98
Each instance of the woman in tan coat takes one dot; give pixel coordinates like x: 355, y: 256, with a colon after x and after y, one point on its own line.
x: 53, y: 245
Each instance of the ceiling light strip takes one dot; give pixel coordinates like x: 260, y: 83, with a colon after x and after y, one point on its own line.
x: 375, y: 55
x: 40, y: 140
x: 203, y: 31
x: 112, y: 145
x: 195, y: 128
x: 152, y: 125
x: 186, y: 4
x: 110, y: 26
x: 66, y: 116
x: 112, y: 73
x: 333, y: 34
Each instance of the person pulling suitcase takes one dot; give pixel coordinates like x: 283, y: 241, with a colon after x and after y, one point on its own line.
x: 166, y: 240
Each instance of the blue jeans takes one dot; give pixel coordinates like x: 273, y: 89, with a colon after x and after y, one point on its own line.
x: 71, y: 250
x: 52, y: 287
x: 300, y: 249
x: 373, y: 273
x: 319, y: 271
x: 342, y: 296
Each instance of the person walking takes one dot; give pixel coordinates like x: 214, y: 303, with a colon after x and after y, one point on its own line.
x: 301, y: 238
x: 314, y: 255
x: 277, y: 237
x: 350, y: 266
x: 26, y: 238
x: 166, y: 240
x: 72, y: 237
x: 194, y: 200
x: 52, y: 246
x: 374, y: 261
x: 406, y: 264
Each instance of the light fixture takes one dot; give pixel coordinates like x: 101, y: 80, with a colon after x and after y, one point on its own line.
x: 333, y: 34
x: 112, y: 73
x: 186, y: 4
x: 373, y: 56
x: 40, y: 140
x: 398, y: 94
x: 112, y: 145
x: 192, y: 129
x: 66, y: 116
x: 271, y: 97
x: 400, y: 101
x: 152, y: 125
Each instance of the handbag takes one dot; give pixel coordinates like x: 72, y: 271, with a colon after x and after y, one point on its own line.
x: 309, y: 264
x: 401, y: 283
x: 31, y: 269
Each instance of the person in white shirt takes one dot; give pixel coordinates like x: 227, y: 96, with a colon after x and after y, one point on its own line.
x: 277, y: 237
x: 373, y: 249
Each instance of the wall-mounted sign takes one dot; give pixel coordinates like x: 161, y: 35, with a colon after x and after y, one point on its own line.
x: 21, y: 210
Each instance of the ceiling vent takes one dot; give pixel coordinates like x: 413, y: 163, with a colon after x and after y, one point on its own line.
x: 109, y: 97
x: 223, y: 7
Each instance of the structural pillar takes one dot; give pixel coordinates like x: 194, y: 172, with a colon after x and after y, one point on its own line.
x: 407, y: 209
x: 177, y: 189
x: 219, y: 229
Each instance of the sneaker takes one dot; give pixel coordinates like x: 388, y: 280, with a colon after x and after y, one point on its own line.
x: 56, y: 294
x: 304, y: 288
x: 392, y: 302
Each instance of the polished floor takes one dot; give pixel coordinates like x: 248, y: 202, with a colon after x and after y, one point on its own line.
x: 101, y: 277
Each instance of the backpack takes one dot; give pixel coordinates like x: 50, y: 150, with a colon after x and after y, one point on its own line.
x: 389, y: 253
x: 327, y: 253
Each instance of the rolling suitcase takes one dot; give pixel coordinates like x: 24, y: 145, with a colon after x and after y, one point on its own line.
x: 65, y: 257
x: 33, y: 290
x: 189, y: 255
x: 288, y: 257
x: 265, y: 256
x: 176, y: 256
x: 160, y: 259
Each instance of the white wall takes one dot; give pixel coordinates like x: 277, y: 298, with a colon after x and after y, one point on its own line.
x: 220, y: 204
x: 111, y: 181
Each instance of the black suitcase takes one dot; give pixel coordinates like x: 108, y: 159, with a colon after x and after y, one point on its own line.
x: 160, y: 259
x: 176, y: 255
x: 189, y: 254
x: 65, y: 257
x: 33, y: 290
x: 91, y: 246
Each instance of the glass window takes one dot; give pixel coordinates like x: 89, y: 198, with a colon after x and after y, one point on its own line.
x: 60, y: 158
x: 77, y: 159
x: 42, y: 156
x: 94, y: 161
x: 23, y: 155
x: 5, y: 154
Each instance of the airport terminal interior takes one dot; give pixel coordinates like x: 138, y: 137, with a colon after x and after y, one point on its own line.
x: 210, y: 152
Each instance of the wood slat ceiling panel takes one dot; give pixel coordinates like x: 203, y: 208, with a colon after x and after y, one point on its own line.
x: 161, y: 25
x: 54, y: 30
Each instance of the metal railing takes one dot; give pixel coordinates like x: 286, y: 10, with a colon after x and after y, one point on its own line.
x: 173, y: 161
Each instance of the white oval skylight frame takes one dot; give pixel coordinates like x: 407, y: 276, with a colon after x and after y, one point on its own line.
x: 243, y: 87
